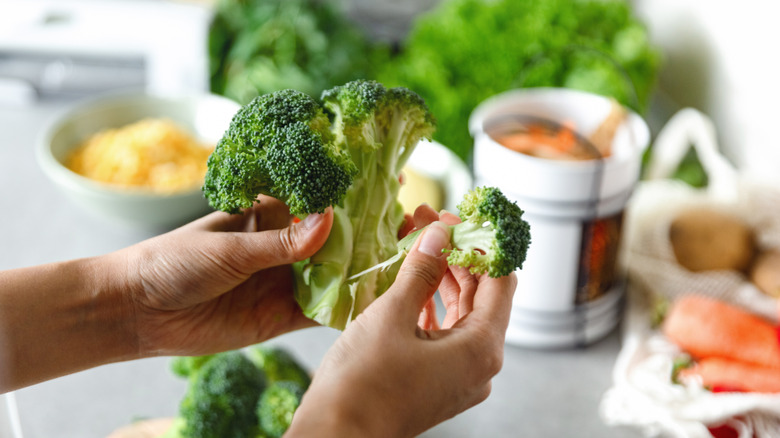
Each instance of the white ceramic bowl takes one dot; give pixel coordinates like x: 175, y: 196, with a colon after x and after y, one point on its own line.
x: 206, y: 116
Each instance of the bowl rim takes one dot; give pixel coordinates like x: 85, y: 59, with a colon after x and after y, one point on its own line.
x: 62, y: 175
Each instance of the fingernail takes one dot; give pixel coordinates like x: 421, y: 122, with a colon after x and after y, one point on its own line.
x: 435, y: 238
x: 312, y: 220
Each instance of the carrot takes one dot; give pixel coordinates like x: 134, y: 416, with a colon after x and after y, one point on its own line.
x: 706, y: 328
x: 723, y: 374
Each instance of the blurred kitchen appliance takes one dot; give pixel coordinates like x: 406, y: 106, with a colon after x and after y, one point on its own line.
x: 71, y: 48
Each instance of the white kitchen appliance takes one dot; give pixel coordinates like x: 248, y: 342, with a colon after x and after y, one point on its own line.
x: 82, y: 47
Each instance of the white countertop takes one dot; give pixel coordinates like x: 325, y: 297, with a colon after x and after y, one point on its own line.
x: 537, y: 394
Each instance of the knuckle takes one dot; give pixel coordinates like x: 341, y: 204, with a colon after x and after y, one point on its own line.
x: 289, y: 244
x: 423, y: 273
x: 488, y: 356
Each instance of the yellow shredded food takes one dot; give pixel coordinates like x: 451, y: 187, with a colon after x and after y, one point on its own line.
x: 153, y: 154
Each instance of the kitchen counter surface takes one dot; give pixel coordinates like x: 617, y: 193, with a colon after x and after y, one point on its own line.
x: 537, y: 394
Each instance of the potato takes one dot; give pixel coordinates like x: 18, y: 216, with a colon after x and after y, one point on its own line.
x: 765, y: 272
x: 709, y: 239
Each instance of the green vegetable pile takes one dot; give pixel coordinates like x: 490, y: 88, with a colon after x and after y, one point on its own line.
x: 347, y: 150
x: 250, y: 393
x: 259, y: 46
x: 465, y: 51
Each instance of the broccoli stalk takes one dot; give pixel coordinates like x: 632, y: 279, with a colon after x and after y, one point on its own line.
x: 380, y: 128
x: 493, y: 237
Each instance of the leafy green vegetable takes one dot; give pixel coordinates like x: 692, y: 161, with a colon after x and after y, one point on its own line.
x: 249, y: 393
x: 278, y: 365
x: 277, y: 405
x: 465, y: 51
x: 222, y: 397
x: 280, y: 145
x: 260, y: 46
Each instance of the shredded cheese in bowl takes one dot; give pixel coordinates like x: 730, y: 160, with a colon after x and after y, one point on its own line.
x: 152, y: 154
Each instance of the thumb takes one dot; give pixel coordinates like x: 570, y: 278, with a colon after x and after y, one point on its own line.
x: 294, y: 243
x: 420, y: 274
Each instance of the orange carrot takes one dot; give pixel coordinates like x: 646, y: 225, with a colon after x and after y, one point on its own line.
x: 728, y: 375
x: 705, y: 328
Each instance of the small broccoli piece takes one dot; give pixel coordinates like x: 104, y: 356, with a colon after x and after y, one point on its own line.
x: 493, y: 237
x: 278, y: 364
x: 221, y: 398
x: 276, y: 407
x: 280, y: 144
x: 186, y: 366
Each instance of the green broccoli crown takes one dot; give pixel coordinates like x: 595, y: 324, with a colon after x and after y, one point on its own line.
x: 221, y: 398
x: 186, y: 366
x: 369, y: 115
x: 280, y: 145
x: 278, y: 365
x: 276, y: 407
x: 493, y: 236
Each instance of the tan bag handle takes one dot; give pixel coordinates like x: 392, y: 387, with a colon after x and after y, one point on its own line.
x: 689, y: 127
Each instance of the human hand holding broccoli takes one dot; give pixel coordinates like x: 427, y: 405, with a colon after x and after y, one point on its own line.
x: 221, y: 282
x: 411, y: 378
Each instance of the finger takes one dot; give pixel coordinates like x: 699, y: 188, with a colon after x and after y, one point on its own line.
x: 424, y: 215
x: 492, y: 303
x: 267, y: 214
x: 468, y: 283
x: 407, y: 227
x: 419, y: 275
x: 251, y: 252
x: 449, y: 218
x: 428, y: 319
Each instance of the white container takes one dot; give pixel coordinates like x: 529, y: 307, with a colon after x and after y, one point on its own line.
x: 570, y: 290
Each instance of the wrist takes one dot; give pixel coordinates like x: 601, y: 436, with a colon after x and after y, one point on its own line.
x: 337, y: 413
x: 62, y: 318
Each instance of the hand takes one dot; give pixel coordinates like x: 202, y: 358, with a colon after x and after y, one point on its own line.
x: 221, y: 282
x: 388, y: 376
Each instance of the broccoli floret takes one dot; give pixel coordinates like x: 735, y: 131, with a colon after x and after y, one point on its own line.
x: 278, y: 364
x: 186, y: 366
x: 280, y: 144
x: 492, y: 238
x: 276, y: 407
x: 221, y: 398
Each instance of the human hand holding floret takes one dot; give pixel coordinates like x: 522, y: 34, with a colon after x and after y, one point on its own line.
x: 395, y: 371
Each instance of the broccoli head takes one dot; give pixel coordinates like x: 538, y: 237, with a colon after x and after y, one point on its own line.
x: 279, y: 145
x: 278, y: 364
x: 221, y: 398
x: 277, y: 405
